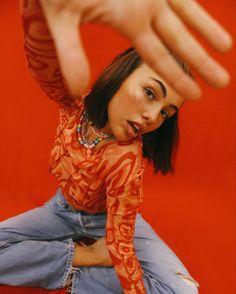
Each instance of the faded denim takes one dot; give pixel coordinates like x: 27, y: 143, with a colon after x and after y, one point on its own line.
x: 37, y: 249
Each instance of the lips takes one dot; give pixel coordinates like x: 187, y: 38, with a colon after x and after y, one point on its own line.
x: 136, y: 127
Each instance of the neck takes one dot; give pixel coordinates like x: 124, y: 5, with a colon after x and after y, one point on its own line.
x: 106, y: 130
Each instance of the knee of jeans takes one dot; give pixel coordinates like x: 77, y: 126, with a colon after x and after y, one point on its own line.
x: 180, y: 284
x: 188, y: 285
x: 4, y: 242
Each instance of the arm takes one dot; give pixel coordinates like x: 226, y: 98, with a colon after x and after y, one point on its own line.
x: 121, y: 217
x: 41, y: 55
x: 124, y: 194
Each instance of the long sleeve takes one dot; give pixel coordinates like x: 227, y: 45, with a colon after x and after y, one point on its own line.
x: 124, y: 196
x: 41, y: 55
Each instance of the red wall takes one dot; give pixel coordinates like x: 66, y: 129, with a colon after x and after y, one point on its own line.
x: 193, y: 211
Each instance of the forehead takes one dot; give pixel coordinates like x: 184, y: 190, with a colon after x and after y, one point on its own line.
x: 146, y: 73
x: 144, y: 69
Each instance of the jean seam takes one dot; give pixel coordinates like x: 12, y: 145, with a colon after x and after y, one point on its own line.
x: 75, y: 281
x: 69, y: 263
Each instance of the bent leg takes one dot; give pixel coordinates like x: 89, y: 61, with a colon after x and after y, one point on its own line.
x: 160, y: 263
x: 36, y: 247
x: 37, y: 263
x: 90, y: 280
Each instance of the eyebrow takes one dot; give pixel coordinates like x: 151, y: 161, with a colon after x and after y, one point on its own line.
x: 162, y: 86
x: 164, y: 92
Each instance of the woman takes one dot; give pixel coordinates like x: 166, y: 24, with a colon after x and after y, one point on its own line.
x: 97, y: 160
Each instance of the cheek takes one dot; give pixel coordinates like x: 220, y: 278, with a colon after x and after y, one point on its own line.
x: 115, y: 115
x: 114, y: 109
x: 127, y: 103
x: 154, y: 126
x: 123, y: 104
x: 131, y: 94
x: 136, y: 96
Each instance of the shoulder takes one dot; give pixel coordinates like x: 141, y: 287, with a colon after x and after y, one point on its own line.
x: 119, y: 148
x: 71, y: 111
x: 124, y: 152
x: 69, y: 116
x: 123, y: 159
x: 125, y: 169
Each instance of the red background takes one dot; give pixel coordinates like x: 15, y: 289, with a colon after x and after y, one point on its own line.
x: 193, y: 211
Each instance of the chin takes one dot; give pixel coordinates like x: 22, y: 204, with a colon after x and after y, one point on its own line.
x: 120, y: 135
x: 121, y: 138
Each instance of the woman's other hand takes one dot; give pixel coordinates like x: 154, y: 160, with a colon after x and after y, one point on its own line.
x: 95, y: 254
x: 149, y: 25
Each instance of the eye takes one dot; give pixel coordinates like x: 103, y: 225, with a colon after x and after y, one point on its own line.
x: 150, y: 93
x: 164, y: 114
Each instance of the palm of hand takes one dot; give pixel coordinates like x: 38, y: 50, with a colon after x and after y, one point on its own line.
x: 150, y: 25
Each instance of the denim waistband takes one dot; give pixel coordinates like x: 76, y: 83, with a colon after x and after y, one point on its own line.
x: 72, y: 209
x: 83, y: 212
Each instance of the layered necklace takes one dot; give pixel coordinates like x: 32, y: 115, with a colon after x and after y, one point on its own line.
x: 82, y: 130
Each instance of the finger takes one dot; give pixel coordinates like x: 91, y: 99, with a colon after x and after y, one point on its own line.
x: 177, y: 37
x: 71, y: 55
x: 193, y: 14
x: 154, y: 53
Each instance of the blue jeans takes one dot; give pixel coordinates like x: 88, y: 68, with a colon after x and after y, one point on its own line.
x: 37, y: 249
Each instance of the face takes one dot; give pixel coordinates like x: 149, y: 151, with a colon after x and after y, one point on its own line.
x: 143, y: 102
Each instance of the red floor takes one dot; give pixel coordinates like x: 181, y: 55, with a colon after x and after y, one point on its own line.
x: 27, y: 290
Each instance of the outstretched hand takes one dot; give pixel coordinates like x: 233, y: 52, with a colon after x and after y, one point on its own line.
x: 149, y: 25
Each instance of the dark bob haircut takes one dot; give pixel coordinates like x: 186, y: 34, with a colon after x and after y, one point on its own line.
x: 160, y: 145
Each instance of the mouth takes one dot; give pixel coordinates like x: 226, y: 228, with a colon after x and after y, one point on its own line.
x: 135, y: 127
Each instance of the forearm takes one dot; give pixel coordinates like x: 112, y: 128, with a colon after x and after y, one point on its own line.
x: 129, y: 273
x: 41, y: 54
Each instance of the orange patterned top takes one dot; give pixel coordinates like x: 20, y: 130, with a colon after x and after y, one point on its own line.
x: 109, y: 179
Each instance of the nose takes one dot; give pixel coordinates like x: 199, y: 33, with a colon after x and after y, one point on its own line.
x: 151, y: 115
